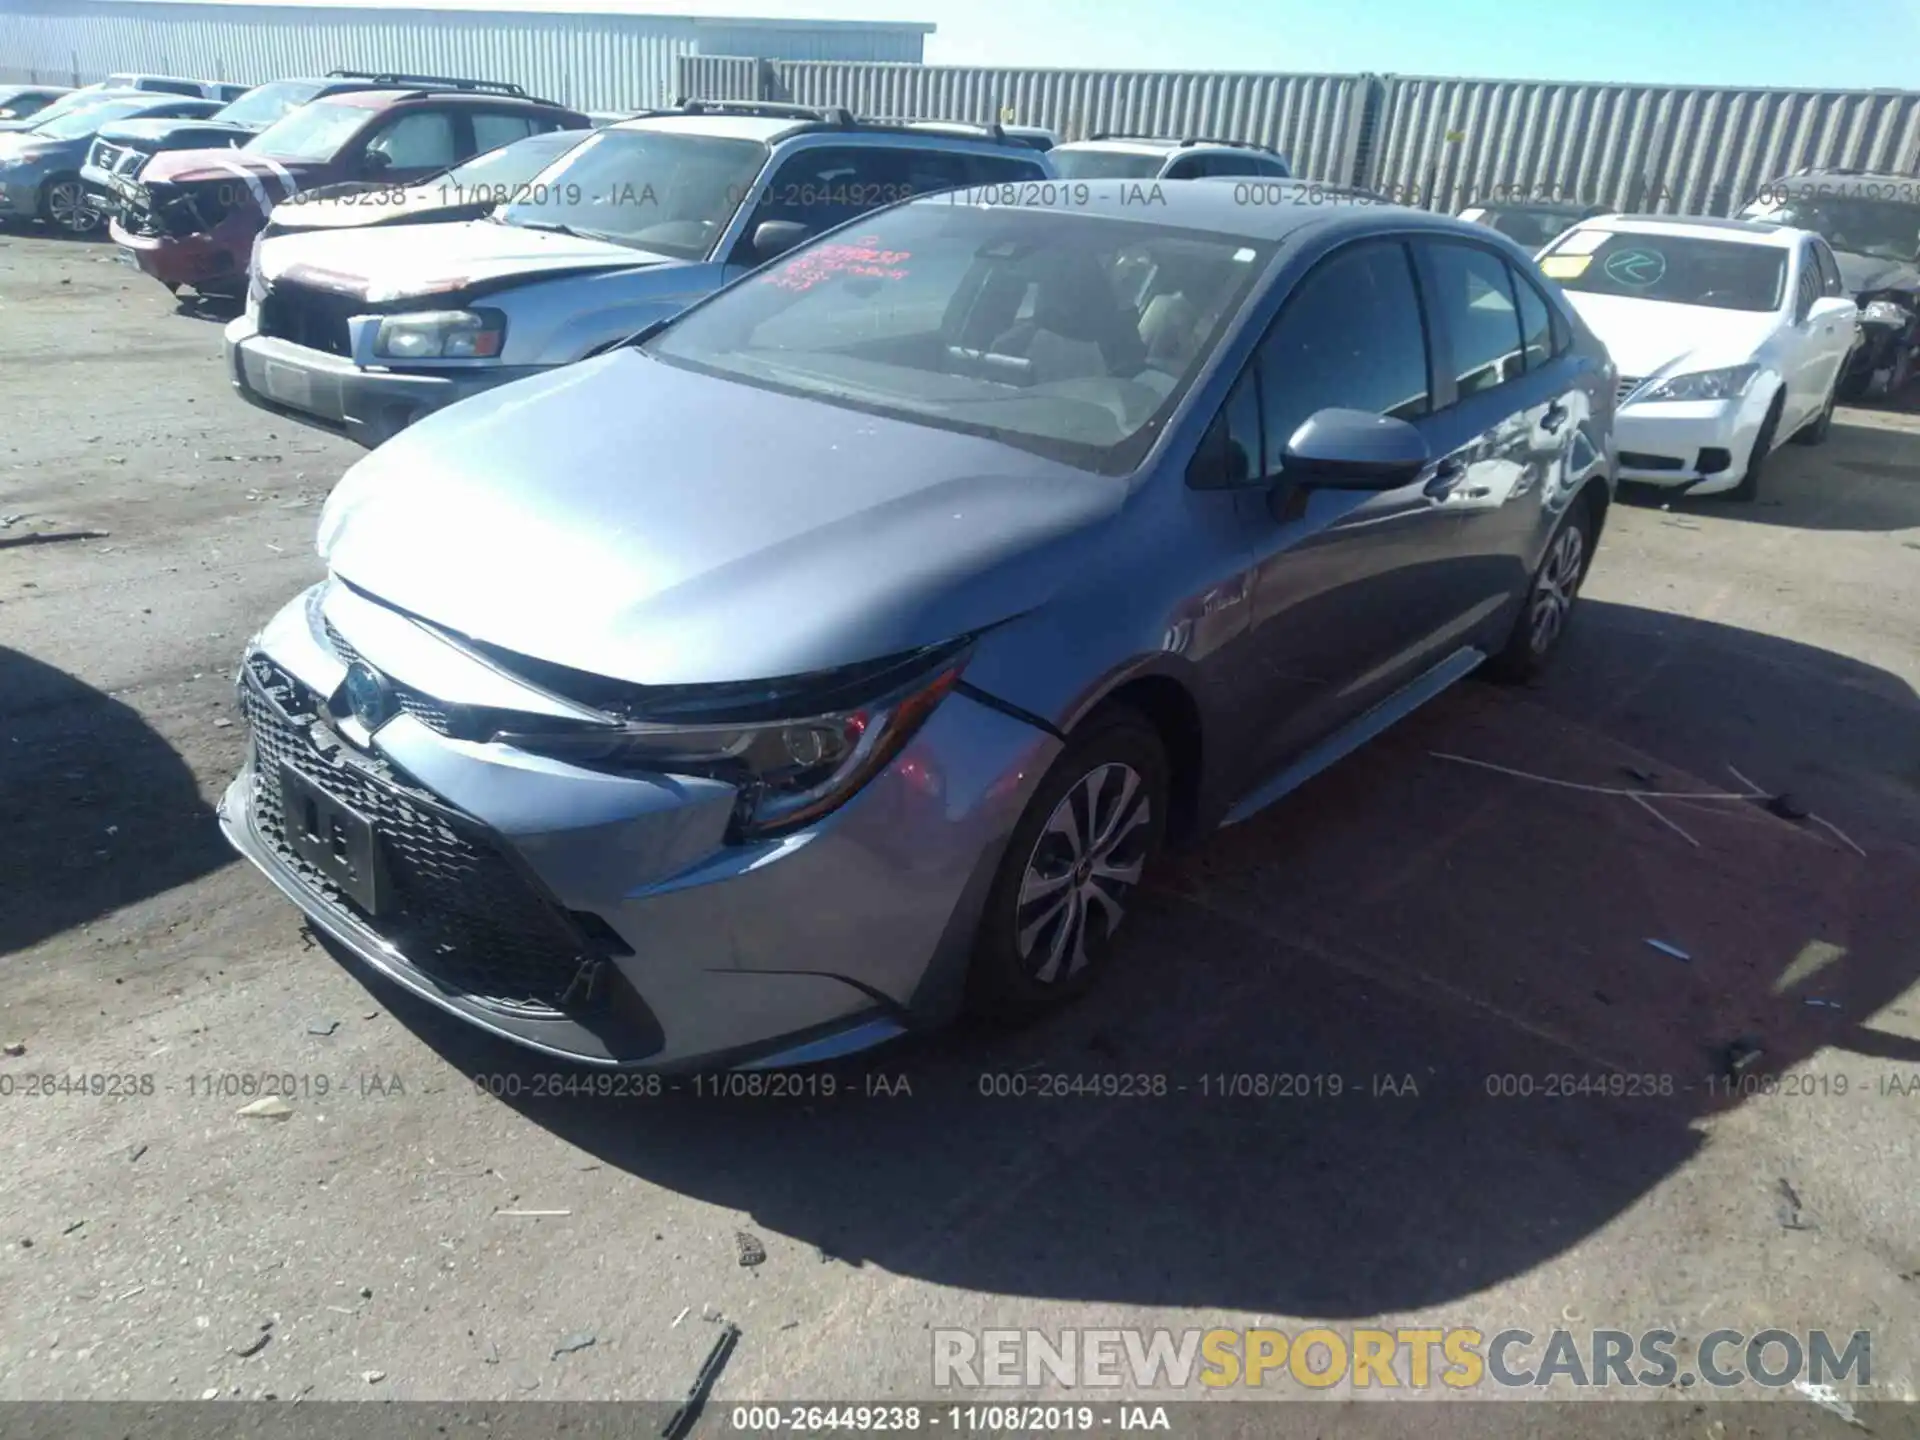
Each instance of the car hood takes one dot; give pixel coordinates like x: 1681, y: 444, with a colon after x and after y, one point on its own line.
x: 268, y: 180
x: 630, y: 518
x: 1647, y: 337
x: 1873, y: 274
x: 346, y: 206
x: 154, y: 134
x: 378, y: 263
x: 12, y: 145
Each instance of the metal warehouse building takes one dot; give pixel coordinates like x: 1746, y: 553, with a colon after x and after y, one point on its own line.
x: 591, y: 54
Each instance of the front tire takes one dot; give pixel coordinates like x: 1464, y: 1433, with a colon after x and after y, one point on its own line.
x: 1548, y: 607
x: 1815, y: 431
x: 65, y: 205
x: 1748, y: 490
x: 1071, y: 869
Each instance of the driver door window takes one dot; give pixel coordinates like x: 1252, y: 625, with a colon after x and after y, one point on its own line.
x: 415, y: 144
x: 825, y: 186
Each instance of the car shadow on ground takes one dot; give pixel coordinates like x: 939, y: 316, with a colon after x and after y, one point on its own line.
x: 97, y: 811
x: 1341, y: 1020
x: 1863, y: 478
x: 216, y: 309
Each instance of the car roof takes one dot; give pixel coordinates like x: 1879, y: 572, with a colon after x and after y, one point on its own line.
x: 1749, y: 232
x: 771, y: 129
x: 394, y: 95
x: 1208, y: 205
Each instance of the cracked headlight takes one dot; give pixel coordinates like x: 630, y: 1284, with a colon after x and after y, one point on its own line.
x: 1885, y: 312
x: 441, y: 335
x: 789, y: 772
x: 1728, y: 383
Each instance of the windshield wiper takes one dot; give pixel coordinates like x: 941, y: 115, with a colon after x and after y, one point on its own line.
x: 553, y: 225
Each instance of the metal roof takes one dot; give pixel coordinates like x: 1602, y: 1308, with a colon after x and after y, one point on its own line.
x: 692, y: 13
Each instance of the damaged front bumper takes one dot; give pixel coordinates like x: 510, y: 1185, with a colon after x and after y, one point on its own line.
x: 334, y: 393
x: 603, y: 917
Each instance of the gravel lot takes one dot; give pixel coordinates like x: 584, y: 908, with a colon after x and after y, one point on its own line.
x: 1404, y: 916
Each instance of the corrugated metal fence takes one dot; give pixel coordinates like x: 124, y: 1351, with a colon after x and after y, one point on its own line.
x: 593, y: 61
x: 1436, y: 142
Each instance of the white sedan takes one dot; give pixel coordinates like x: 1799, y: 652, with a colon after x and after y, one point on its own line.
x: 1729, y: 335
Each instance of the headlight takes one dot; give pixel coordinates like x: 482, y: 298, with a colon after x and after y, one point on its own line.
x: 1886, y: 312
x: 789, y: 773
x: 441, y: 334
x: 1726, y: 384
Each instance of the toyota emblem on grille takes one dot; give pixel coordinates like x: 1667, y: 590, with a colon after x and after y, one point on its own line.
x: 369, y: 695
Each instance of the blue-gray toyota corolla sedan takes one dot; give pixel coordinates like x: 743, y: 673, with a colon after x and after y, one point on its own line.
x: 845, y: 651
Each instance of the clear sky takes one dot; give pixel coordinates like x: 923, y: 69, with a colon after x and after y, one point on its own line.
x: 1850, y: 44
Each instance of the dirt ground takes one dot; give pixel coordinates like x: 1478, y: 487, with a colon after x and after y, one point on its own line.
x: 1415, y: 913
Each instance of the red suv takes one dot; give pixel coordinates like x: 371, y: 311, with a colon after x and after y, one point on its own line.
x: 193, y: 215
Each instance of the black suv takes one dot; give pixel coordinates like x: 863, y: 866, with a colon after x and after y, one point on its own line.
x: 1872, y: 223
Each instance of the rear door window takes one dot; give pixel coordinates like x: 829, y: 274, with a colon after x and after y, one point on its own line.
x: 1475, y: 303
x: 1537, y: 337
x: 494, y: 128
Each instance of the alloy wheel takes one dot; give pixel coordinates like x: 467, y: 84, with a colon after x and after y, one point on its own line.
x: 1553, y: 592
x: 1082, y: 872
x: 70, y: 209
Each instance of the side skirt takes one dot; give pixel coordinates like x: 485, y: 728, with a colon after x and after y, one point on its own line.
x: 1358, y: 731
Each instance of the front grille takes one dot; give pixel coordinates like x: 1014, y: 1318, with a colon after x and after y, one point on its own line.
x: 128, y: 162
x: 139, y: 220
x: 461, y: 911
x: 308, y: 316
x: 104, y: 156
x: 1628, y: 384
x: 424, y: 708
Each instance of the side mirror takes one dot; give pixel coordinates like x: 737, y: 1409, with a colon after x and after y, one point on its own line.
x: 776, y: 237
x: 1353, y: 450
x: 376, y: 162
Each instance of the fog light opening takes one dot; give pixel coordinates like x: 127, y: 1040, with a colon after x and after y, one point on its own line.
x: 1713, y: 460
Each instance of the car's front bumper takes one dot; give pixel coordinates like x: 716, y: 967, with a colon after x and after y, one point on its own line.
x: 200, y: 259
x: 510, y: 877
x: 331, y: 391
x: 1703, y: 445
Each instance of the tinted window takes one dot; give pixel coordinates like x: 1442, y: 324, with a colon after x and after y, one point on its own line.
x: 1000, y: 169
x: 1679, y: 269
x: 1830, y: 281
x: 1230, y: 452
x: 823, y: 186
x: 174, y: 87
x: 1474, y: 295
x: 1072, y: 164
x: 1886, y: 225
x: 1187, y: 167
x: 1536, y: 323
x: 491, y: 129
x: 418, y: 140
x: 1807, y: 288
x: 1024, y: 325
x: 1350, y: 337
x: 512, y: 164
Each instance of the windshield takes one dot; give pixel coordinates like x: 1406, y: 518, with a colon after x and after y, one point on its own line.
x: 1886, y: 229
x: 1074, y: 336
x: 511, y: 164
x: 89, y: 118
x: 1679, y: 269
x: 647, y: 188
x: 264, y: 104
x: 1072, y: 164
x: 313, y: 132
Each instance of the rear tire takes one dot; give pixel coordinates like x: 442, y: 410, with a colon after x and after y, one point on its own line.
x: 1547, y: 608
x: 1071, y: 869
x: 1748, y: 490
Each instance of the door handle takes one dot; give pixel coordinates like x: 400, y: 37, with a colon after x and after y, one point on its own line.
x: 1555, y: 417
x: 1447, y: 474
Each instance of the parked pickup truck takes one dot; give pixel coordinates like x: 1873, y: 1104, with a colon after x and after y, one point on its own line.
x: 192, y: 215
x: 365, y: 330
x: 124, y: 148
